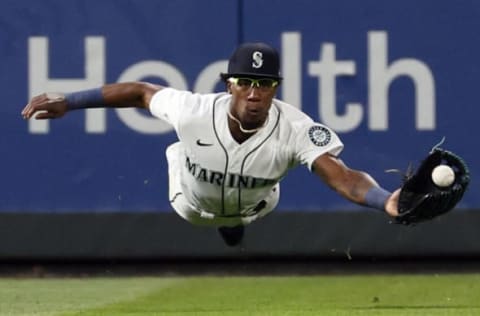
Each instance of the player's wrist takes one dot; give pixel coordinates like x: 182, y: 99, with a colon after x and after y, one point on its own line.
x: 92, y: 98
x: 376, y: 197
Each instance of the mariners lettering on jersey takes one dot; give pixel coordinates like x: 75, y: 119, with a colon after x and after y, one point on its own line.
x: 231, y: 180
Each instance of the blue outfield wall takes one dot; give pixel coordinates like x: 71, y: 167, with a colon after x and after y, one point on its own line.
x: 391, y: 77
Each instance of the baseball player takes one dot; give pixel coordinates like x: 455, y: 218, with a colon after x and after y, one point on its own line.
x: 234, y: 148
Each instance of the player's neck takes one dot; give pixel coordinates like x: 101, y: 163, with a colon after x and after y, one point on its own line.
x: 239, y: 132
x: 245, y: 130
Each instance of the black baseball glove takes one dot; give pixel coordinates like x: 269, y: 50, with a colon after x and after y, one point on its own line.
x: 420, y: 199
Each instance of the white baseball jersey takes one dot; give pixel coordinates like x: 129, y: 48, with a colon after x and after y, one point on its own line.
x: 215, y: 180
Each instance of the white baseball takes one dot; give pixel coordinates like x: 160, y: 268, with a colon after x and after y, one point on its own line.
x: 443, y: 176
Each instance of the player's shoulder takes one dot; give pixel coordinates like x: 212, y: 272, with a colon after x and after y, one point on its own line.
x: 297, y: 122
x: 291, y: 115
x: 187, y: 101
x: 173, y: 93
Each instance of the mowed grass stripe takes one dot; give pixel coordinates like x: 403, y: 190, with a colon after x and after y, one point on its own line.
x: 445, y: 294
x: 319, y: 295
x: 58, y: 296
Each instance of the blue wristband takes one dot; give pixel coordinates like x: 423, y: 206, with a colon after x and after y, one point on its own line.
x: 85, y: 99
x: 376, y: 197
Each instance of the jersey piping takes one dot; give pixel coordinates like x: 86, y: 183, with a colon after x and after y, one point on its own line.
x: 225, y: 152
x: 248, y: 154
x: 239, y: 204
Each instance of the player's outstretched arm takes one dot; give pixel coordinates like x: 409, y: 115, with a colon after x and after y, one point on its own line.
x: 55, y: 105
x: 356, y: 186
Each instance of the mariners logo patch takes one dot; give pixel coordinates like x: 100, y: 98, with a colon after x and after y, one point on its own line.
x: 319, y: 135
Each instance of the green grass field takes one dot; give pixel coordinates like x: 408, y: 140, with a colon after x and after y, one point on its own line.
x: 443, y: 294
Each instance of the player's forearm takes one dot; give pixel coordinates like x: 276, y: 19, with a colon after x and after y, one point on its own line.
x: 349, y: 183
x: 356, y: 186
x: 118, y: 95
x: 365, y: 190
x: 361, y: 188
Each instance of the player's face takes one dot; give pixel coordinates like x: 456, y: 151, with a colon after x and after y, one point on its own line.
x: 251, y: 99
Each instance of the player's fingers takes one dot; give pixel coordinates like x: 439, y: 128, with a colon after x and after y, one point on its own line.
x: 49, y: 102
x: 31, y: 109
x: 45, y: 115
x: 34, y: 105
x: 28, y: 111
x: 25, y: 112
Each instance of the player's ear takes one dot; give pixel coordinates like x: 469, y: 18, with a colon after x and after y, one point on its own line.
x: 229, y: 87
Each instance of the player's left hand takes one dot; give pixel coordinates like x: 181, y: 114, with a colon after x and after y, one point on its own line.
x: 391, y: 206
x: 420, y: 199
x: 46, y: 106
